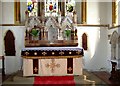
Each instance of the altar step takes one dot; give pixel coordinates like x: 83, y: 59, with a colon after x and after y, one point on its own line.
x: 103, y: 75
x: 96, y: 77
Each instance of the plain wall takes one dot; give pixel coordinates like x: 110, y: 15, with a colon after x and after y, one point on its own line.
x: 14, y: 63
x: 7, y: 12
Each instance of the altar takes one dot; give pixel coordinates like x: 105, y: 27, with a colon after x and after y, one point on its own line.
x: 52, y: 61
x: 51, y: 46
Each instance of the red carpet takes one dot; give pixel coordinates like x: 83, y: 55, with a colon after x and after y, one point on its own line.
x: 54, y: 80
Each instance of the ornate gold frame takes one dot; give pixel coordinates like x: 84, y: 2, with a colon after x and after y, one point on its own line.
x: 84, y: 12
x: 17, y: 11
x: 113, y: 13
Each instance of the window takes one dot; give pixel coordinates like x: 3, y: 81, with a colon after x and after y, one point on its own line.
x: 51, y: 6
x: 17, y: 12
x: 84, y: 12
x: 70, y: 6
x: 115, y: 12
x: 32, y: 8
x: 35, y: 8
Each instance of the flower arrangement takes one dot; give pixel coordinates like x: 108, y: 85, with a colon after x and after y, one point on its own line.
x: 67, y: 32
x: 35, y: 33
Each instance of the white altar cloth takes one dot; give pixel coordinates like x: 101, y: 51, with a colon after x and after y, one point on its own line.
x: 52, y: 61
x: 47, y: 71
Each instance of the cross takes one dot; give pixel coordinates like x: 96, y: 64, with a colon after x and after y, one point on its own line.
x: 44, y: 53
x: 52, y: 65
x: 35, y: 69
x: 69, y: 69
x: 61, y: 53
x: 26, y: 53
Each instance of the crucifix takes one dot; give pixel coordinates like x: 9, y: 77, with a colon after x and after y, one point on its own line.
x: 52, y: 65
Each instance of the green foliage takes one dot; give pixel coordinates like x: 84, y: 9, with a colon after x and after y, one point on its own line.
x: 34, y: 32
x: 67, y: 33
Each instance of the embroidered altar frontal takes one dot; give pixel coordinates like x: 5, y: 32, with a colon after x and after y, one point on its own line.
x: 52, y: 52
x: 49, y: 61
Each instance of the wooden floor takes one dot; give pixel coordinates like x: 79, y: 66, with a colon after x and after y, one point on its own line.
x: 103, y: 75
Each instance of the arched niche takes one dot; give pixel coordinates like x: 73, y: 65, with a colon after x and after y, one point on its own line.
x: 84, y: 41
x: 9, y: 42
x: 113, y: 42
x: 52, y: 28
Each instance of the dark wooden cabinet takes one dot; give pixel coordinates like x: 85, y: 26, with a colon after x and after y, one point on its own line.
x: 115, y: 73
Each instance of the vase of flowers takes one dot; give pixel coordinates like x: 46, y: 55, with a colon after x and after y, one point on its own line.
x: 67, y: 34
x: 35, y: 34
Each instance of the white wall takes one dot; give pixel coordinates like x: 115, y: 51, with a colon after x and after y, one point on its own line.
x: 95, y: 57
x: 0, y: 12
x: 0, y: 33
x: 93, y: 13
x: 109, y: 13
x: 0, y: 46
x: 78, y: 11
x: 8, y: 12
x: 13, y: 63
x: 97, y: 12
x: 1, y: 41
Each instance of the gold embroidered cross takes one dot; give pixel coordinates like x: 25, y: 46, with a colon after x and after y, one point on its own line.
x: 61, y: 53
x: 44, y: 53
x: 26, y: 53
x: 69, y: 69
x: 35, y: 69
x: 52, y: 65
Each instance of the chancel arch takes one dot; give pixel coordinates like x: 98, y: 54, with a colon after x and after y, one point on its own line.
x: 9, y: 42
